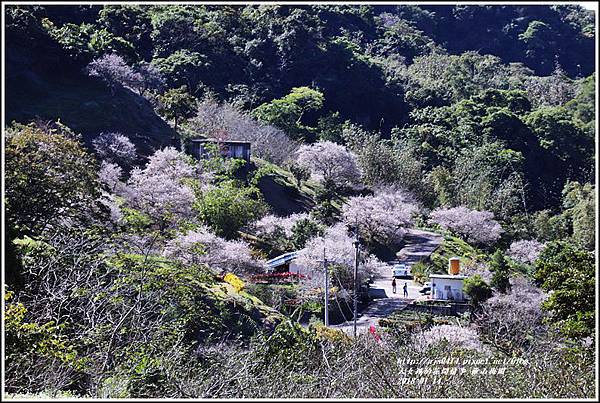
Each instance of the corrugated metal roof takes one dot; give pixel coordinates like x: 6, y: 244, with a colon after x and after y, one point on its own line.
x: 282, y: 259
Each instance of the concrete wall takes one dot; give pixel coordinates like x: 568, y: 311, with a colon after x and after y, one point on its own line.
x: 447, y: 289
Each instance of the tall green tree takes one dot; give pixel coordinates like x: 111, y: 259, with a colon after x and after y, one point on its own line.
x: 569, y: 273
x: 500, y: 272
x: 177, y: 104
x: 287, y: 112
x: 579, y: 202
x: 49, y: 176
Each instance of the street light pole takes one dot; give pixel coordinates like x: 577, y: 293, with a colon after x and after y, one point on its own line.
x: 356, y: 244
x: 326, y: 289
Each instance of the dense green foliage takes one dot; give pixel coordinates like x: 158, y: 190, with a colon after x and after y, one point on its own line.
x: 229, y: 207
x: 50, y: 176
x: 500, y: 272
x: 569, y: 272
x: 477, y: 289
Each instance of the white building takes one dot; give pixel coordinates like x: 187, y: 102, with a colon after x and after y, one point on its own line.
x: 447, y: 287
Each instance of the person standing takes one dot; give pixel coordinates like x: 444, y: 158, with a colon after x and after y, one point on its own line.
x: 394, y: 285
x: 405, y: 290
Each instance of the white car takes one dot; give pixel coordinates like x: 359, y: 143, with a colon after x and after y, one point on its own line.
x: 401, y: 270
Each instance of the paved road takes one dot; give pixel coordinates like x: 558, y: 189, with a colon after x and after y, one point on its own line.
x: 418, y: 246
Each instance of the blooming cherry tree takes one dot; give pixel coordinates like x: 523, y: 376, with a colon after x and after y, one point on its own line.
x: 160, y: 189
x: 216, y: 121
x: 112, y: 69
x: 509, y: 321
x: 338, y: 247
x: 270, y: 225
x: 475, y: 226
x: 148, y: 77
x: 458, y: 337
x: 110, y: 175
x: 329, y: 162
x: 525, y: 251
x: 115, y: 148
x: 203, y: 247
x: 383, y: 217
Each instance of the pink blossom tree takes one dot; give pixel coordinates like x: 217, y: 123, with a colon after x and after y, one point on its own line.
x: 525, y: 251
x: 268, y: 142
x: 330, y: 162
x: 382, y: 217
x: 474, y: 226
x: 338, y: 247
x: 272, y: 226
x: 148, y: 77
x: 112, y: 69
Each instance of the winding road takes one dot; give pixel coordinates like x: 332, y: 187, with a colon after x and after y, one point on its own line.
x: 419, y: 245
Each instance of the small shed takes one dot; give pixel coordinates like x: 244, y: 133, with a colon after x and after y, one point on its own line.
x: 447, y: 287
x: 228, y: 148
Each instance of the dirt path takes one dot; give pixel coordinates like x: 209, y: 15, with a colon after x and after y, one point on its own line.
x: 418, y: 246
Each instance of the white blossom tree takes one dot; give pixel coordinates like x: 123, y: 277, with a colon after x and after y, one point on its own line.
x: 272, y: 226
x: 458, y: 337
x: 148, y: 77
x: 225, y: 121
x: 554, y: 90
x: 382, y: 217
x: 338, y: 247
x: 475, y: 226
x: 511, y: 321
x: 115, y: 148
x: 111, y: 203
x: 113, y: 70
x: 525, y: 251
x: 329, y: 162
x: 110, y: 175
x: 160, y: 189
x: 201, y: 246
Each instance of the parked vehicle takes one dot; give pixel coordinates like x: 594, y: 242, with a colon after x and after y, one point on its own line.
x: 426, y: 289
x: 401, y: 270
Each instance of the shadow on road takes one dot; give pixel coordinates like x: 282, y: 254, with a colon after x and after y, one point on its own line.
x: 377, y: 293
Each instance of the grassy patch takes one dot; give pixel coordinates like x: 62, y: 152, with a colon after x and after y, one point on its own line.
x: 280, y: 190
x: 437, y: 263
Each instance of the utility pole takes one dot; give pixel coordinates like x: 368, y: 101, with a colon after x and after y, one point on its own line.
x: 326, y: 288
x: 356, y: 244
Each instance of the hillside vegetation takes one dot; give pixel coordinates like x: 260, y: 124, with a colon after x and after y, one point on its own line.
x: 136, y: 267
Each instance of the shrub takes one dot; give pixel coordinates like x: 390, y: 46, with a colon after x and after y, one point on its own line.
x: 457, y: 337
x: 568, y: 273
x: 49, y: 177
x: 228, y: 207
x: 477, y: 289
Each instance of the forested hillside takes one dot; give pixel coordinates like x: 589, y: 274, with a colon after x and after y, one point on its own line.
x: 135, y: 269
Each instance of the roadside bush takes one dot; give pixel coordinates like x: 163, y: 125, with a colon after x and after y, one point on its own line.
x: 477, y: 289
